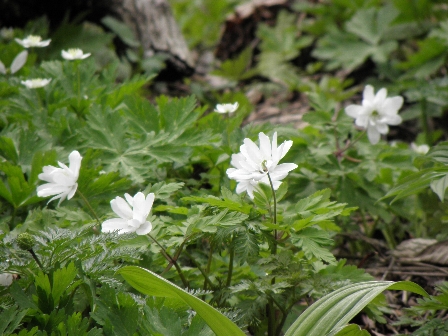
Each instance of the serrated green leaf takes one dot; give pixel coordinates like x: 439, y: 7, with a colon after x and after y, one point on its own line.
x: 152, y: 284
x: 336, y: 309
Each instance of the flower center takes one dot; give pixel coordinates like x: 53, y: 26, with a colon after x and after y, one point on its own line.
x: 34, y: 38
x: 264, y: 168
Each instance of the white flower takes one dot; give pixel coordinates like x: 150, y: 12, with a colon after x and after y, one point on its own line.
x: 33, y: 41
x: 376, y: 112
x: 254, y: 163
x: 62, y: 182
x: 6, y: 279
x: 7, y: 33
x: 226, y: 108
x: 74, y: 54
x: 36, y: 82
x: 133, y: 214
x: 422, y: 149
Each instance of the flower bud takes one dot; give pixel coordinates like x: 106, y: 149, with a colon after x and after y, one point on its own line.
x: 25, y: 241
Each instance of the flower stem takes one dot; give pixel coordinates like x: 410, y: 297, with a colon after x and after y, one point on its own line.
x: 91, y: 210
x: 204, y: 274
x: 274, y: 248
x: 270, y: 306
x: 172, y: 261
x: 338, y: 153
x: 425, y: 124
x: 36, y: 259
x: 231, y: 257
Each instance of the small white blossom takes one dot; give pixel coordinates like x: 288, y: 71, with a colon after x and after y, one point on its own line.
x: 74, y: 54
x: 376, y: 112
x: 132, y: 213
x: 7, y: 33
x: 62, y: 182
x: 226, y: 108
x: 36, y: 82
x: 33, y: 41
x: 422, y: 149
x: 6, y: 279
x: 254, y: 163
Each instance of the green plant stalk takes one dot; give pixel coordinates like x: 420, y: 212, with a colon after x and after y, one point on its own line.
x: 270, y: 306
x: 36, y: 259
x: 209, y: 264
x: 339, y: 152
x: 206, y: 278
x: 425, y: 124
x: 172, y: 261
x: 91, y: 210
x: 230, y: 272
x: 79, y: 86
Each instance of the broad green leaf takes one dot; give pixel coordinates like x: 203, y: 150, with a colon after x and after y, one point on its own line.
x: 336, y: 309
x: 150, y: 283
x: 124, y: 32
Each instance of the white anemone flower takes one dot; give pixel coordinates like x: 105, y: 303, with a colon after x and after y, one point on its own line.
x: 422, y: 149
x: 74, y: 54
x: 33, y: 41
x: 6, y: 279
x: 133, y: 214
x: 36, y: 83
x: 62, y: 182
x: 376, y: 112
x: 226, y: 108
x: 253, y: 164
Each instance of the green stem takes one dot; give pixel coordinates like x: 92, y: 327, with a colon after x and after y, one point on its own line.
x: 172, y: 261
x: 270, y: 305
x: 36, y: 259
x: 425, y: 124
x: 274, y: 248
x: 339, y: 152
x: 229, y: 274
x: 206, y: 278
x: 91, y: 210
x: 209, y: 264
x: 79, y: 87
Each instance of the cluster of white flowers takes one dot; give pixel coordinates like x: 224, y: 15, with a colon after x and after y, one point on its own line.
x: 63, y: 183
x: 376, y: 113
x: 34, y: 41
x: 253, y: 164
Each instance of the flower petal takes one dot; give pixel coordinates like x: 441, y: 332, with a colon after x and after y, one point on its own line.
x: 121, y: 208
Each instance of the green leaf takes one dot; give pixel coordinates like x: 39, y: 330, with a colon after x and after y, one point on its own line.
x: 352, y: 330
x: 336, y: 309
x: 124, y: 32
x: 314, y: 244
x: 10, y: 319
x: 150, y: 283
x: 439, y: 186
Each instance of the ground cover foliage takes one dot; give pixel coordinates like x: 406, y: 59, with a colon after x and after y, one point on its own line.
x: 216, y: 261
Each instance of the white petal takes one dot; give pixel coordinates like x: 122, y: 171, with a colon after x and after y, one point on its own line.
x: 140, y: 211
x: 114, y: 224
x: 353, y: 110
x: 75, y: 162
x: 2, y: 68
x: 380, y: 97
x: 265, y: 146
x: 392, y: 105
x: 368, y: 95
x: 145, y: 228
x: 373, y: 135
x: 19, y: 61
x: 121, y: 208
x: 72, y: 191
x: 382, y: 128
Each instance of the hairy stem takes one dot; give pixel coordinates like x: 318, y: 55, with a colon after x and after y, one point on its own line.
x: 36, y: 259
x: 172, y: 261
x: 91, y: 210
